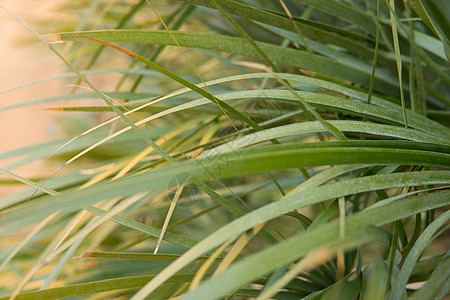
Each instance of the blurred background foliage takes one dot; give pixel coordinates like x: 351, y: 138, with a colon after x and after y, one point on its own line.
x: 310, y: 161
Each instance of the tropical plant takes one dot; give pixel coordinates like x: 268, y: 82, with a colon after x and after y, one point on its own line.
x: 243, y: 149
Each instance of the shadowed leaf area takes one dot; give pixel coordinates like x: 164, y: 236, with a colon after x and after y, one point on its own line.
x: 225, y: 149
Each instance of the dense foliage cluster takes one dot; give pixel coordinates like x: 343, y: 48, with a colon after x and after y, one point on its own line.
x: 289, y: 149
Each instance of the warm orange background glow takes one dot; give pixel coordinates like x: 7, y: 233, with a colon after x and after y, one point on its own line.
x: 24, y: 58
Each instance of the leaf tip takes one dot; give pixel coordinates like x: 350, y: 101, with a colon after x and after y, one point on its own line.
x: 54, y: 108
x: 53, y: 38
x: 86, y: 254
